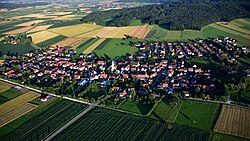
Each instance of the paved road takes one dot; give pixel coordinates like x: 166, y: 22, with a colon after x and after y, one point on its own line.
x: 69, y: 123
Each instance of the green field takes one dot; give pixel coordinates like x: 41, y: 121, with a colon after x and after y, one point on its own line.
x: 102, y: 124
x: 167, y: 109
x: 210, y: 31
x: 117, y: 47
x: 197, y: 114
x: 157, y: 32
x: 8, y: 95
x: 37, y: 124
x: 82, y: 47
x: 136, y: 23
x: 225, y: 137
x: 174, y: 35
x: 135, y: 107
x: 51, y: 41
x: 61, y: 23
x: 13, y: 50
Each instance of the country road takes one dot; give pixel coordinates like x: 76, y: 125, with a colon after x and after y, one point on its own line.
x: 69, y: 123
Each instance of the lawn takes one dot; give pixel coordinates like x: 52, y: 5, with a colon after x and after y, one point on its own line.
x: 117, y: 47
x: 51, y: 41
x: 201, y: 63
x: 37, y: 124
x: 136, y: 23
x: 135, y: 107
x: 14, y: 50
x: 198, y: 114
x: 103, y: 124
x: 167, y: 109
x: 8, y: 95
x: 85, y: 45
x: 225, y: 137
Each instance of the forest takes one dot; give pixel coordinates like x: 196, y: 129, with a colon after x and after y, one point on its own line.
x: 175, y: 16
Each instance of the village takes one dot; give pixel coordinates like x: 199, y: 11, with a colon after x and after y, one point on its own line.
x: 157, y: 69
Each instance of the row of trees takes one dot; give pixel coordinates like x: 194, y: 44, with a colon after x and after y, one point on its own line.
x: 175, y: 16
x: 19, y: 38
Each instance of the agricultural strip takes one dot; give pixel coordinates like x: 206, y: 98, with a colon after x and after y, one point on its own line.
x: 19, y: 111
x: 103, y: 44
x: 8, y: 95
x: 39, y: 28
x: 74, y: 30
x: 51, y: 41
x: 197, y: 114
x: 30, y: 23
x: 93, y: 46
x: 103, y: 124
x: 234, y: 121
x: 212, y: 32
x: 167, y: 109
x: 45, y: 121
x: 69, y: 42
x: 16, y: 102
x: 226, y: 137
x: 4, y: 86
x: 41, y: 36
x: 81, y: 48
x: 20, y: 30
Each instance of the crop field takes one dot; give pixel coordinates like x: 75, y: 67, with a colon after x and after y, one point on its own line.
x: 13, y: 50
x: 85, y: 45
x: 42, y: 36
x: 167, y: 109
x: 39, y: 123
x: 74, y: 30
x: 197, y: 114
x: 4, y: 86
x: 52, y: 41
x: 30, y: 23
x: 57, y: 13
x: 40, y: 16
x: 39, y: 28
x: 225, y: 137
x: 69, y: 42
x: 8, y: 95
x: 103, y: 124
x: 141, y: 31
x: 117, y: 47
x: 118, y: 32
x: 93, y: 46
x: 11, y: 28
x: 19, y: 111
x: 16, y: 102
x: 238, y: 29
x: 103, y: 44
x: 234, y: 121
x: 135, y: 107
x: 20, y: 30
